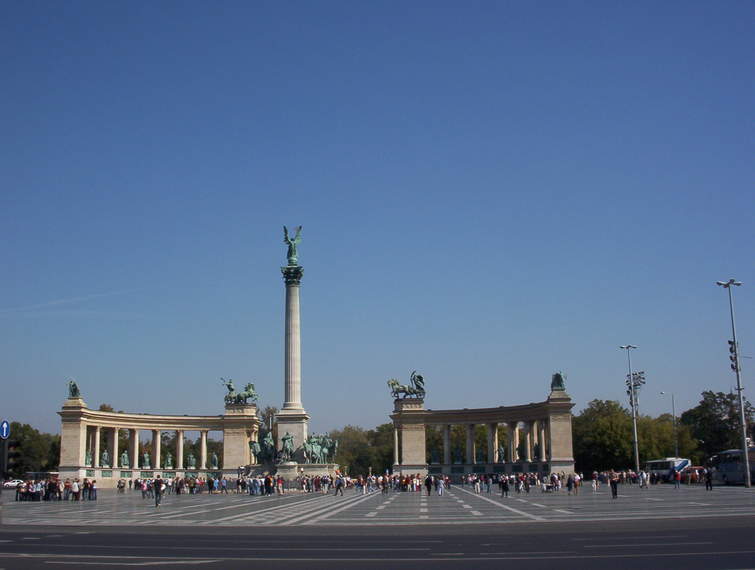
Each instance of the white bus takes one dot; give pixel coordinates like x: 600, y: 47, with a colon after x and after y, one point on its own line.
x: 665, y: 468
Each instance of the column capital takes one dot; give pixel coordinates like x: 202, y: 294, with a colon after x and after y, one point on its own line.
x: 292, y: 274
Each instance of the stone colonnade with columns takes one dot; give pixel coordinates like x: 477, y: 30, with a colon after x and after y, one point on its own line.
x: 539, y: 438
x: 86, y: 434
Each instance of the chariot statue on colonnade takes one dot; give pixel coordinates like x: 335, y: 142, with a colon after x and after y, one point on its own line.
x: 243, y: 397
x: 416, y: 387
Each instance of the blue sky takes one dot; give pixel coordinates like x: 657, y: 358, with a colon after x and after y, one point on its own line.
x: 490, y: 192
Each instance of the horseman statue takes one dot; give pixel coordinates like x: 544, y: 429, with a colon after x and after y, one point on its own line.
x: 267, y: 453
x: 256, y: 451
x: 287, y: 446
x: 416, y: 387
x: 318, y: 448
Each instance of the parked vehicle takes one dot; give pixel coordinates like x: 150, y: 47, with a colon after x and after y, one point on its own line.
x: 666, y: 468
x: 728, y: 467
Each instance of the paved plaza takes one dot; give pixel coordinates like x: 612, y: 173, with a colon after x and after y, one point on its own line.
x: 457, y: 506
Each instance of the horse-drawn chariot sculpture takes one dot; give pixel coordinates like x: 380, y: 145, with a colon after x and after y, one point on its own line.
x: 415, y: 388
x: 243, y: 397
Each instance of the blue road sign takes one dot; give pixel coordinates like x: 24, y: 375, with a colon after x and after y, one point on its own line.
x: 4, y: 429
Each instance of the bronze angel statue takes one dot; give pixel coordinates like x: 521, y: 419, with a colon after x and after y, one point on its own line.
x: 292, y: 243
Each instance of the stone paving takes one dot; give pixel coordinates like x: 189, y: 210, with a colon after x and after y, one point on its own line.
x: 458, y: 506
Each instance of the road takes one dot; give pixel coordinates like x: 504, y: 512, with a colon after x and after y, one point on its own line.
x: 658, y: 528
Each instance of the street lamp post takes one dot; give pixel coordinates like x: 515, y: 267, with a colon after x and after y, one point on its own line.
x: 735, y: 365
x: 673, y: 423
x: 632, y: 401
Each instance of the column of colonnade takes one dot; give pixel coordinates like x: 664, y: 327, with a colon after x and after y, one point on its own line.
x: 203, y: 449
x: 114, y: 451
x: 179, y: 449
x: 396, y: 456
x: 533, y: 434
x: 99, y: 438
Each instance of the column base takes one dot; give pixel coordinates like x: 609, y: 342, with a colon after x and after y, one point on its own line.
x: 562, y: 465
x: 294, y: 422
x: 411, y: 469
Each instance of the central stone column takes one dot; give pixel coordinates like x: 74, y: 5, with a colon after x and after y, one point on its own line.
x: 292, y: 418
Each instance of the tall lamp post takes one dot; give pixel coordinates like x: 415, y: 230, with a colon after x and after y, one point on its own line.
x: 673, y: 423
x: 735, y: 366
x: 632, y: 400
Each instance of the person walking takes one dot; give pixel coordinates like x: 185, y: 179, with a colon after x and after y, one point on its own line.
x: 614, y: 482
x: 708, y: 480
x: 428, y: 483
x: 158, y: 487
x: 440, y: 485
x: 339, y: 486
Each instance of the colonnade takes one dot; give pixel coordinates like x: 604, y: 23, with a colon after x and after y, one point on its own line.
x: 532, y: 433
x: 86, y: 434
x: 98, y: 435
x: 538, y: 436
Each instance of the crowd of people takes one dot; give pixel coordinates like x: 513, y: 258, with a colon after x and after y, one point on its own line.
x: 54, y: 489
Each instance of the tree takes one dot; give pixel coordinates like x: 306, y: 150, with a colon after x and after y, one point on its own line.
x: 381, y: 441
x: 656, y: 437
x: 603, y: 437
x: 36, y: 451
x: 361, y: 451
x: 433, y: 444
x: 267, y: 419
x: 354, y: 454
x: 715, y: 421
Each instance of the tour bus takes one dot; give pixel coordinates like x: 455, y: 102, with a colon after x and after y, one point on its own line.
x: 664, y: 468
x: 728, y: 467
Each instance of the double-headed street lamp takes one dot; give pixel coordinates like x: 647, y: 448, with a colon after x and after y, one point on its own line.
x: 634, y: 381
x: 734, y: 349
x: 673, y: 423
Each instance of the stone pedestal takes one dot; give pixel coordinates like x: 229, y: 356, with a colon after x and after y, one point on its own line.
x: 295, y: 423
x: 288, y: 470
x: 241, y: 427
x: 408, y: 418
x: 559, y: 431
x: 73, y: 435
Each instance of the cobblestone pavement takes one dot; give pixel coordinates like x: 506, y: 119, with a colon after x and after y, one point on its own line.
x: 458, y: 506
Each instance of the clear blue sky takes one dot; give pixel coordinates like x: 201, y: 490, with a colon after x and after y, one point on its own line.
x: 490, y: 192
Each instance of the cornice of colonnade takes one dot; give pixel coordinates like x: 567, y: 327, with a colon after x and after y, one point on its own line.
x: 501, y: 414
x: 75, y: 410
